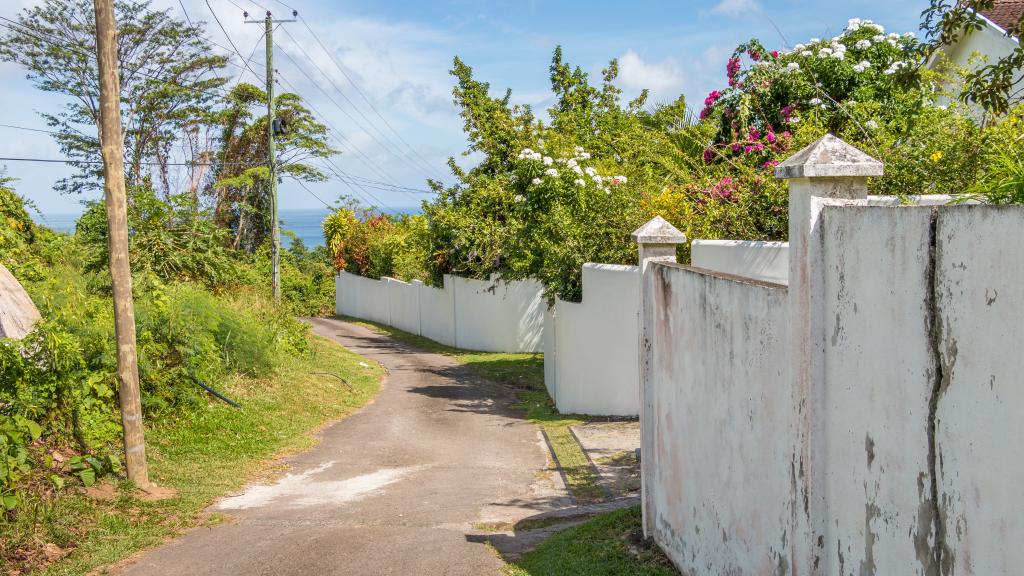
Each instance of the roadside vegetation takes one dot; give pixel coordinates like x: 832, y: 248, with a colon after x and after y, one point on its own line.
x: 525, y: 374
x: 610, y: 544
x: 551, y: 193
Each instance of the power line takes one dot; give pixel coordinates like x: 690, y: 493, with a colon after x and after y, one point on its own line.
x: 387, y: 147
x: 360, y: 91
x: 358, y: 154
x: 311, y: 193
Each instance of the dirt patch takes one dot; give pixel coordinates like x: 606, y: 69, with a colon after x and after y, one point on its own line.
x: 611, y: 447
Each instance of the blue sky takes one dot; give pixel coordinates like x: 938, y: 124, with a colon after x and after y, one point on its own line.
x: 399, y: 53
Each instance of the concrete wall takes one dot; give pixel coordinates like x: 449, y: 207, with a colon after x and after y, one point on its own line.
x: 591, y: 357
x: 766, y: 261
x: 863, y: 420
x: 470, y: 314
x: 437, y: 318
x: 498, y: 316
x: 720, y: 492
x: 979, y: 431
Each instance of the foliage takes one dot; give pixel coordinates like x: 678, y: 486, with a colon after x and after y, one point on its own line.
x: 168, y: 74
x: 239, y: 183
x: 375, y: 245
x: 608, y: 544
x: 203, y: 454
x: 202, y: 315
x: 1002, y: 177
x: 994, y: 86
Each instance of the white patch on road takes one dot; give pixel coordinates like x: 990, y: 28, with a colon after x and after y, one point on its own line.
x: 301, y: 490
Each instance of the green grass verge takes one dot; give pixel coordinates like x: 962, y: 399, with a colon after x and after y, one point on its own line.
x: 202, y: 455
x: 525, y: 372
x: 607, y: 545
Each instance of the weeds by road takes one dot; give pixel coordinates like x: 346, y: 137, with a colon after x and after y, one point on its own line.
x: 202, y: 456
x: 608, y: 545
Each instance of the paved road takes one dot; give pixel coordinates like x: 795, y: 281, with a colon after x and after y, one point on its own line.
x: 395, y: 488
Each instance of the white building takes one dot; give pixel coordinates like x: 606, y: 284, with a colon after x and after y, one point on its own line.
x: 991, y: 42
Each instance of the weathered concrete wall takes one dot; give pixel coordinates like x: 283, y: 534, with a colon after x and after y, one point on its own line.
x: 862, y: 421
x: 469, y: 314
x: 979, y: 387
x: 592, y: 362
x: 878, y: 379
x: 720, y: 493
x: 766, y: 261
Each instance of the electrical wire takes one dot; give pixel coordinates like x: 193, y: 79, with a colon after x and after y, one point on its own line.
x: 384, y: 146
x: 361, y: 93
x: 423, y: 162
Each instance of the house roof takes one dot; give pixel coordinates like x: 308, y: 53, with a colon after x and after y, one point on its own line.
x: 1005, y: 13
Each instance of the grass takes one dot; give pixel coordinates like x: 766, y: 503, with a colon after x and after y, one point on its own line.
x: 607, y: 545
x: 525, y: 372
x: 202, y: 455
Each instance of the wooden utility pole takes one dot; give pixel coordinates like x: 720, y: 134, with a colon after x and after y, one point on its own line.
x: 275, y: 234
x: 112, y: 143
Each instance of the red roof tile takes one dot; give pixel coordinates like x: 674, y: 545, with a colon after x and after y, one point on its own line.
x: 1005, y: 13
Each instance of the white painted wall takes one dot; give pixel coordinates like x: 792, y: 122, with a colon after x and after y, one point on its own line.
x: 916, y: 377
x: 470, y: 314
x: 766, y: 261
x: 720, y: 491
x: 979, y: 424
x: 437, y: 320
x: 990, y: 42
x: 498, y: 316
x: 404, y: 305
x: 591, y: 357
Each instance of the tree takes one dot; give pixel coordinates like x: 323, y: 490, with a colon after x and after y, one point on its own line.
x: 238, y: 186
x: 168, y: 74
x: 994, y: 86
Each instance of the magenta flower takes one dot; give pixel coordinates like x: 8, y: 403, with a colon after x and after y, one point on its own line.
x: 770, y: 138
x: 735, y: 146
x: 732, y: 67
x: 748, y: 149
x: 709, y: 155
x: 754, y: 134
x: 775, y: 53
x: 758, y: 147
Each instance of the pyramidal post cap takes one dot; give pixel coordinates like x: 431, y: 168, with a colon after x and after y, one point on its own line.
x: 829, y: 157
x: 657, y: 230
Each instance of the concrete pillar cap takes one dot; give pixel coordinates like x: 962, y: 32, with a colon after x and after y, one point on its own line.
x: 829, y: 157
x: 657, y: 230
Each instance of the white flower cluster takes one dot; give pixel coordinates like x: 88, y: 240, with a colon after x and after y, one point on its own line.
x: 862, y: 44
x: 861, y: 66
x: 528, y: 154
x: 895, y: 67
x: 792, y: 66
x: 572, y: 164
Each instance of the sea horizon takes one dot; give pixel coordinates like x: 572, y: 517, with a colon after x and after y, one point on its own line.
x: 305, y: 223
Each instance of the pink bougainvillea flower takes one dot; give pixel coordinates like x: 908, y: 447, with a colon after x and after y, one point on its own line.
x: 748, y: 149
x: 754, y: 134
x: 775, y: 53
x: 709, y: 155
x: 758, y: 147
x: 770, y: 137
x: 736, y: 147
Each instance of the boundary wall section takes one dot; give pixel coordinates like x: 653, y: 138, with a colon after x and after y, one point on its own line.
x: 592, y: 348
x: 487, y: 316
x: 863, y: 419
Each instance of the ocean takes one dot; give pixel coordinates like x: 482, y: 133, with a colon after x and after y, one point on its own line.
x: 305, y: 224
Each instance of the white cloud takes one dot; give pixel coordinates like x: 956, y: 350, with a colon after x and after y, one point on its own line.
x: 664, y: 79
x: 734, y: 8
